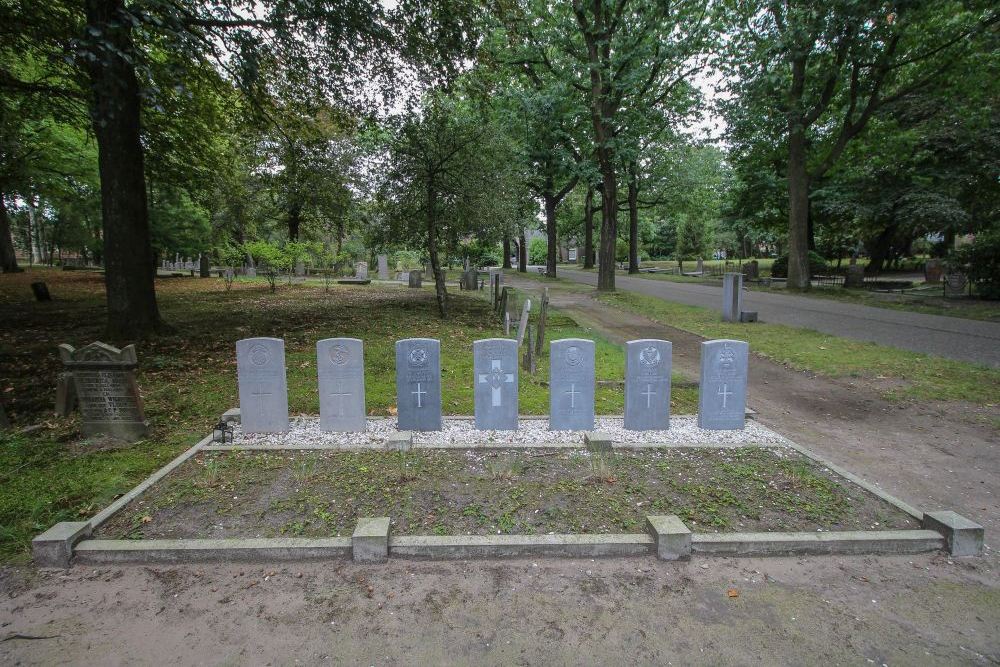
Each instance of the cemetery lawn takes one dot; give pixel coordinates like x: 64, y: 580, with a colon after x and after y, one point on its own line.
x: 188, y: 377
x: 486, y: 492
x: 908, y: 375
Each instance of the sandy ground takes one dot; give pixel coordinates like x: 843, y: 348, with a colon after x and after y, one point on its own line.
x: 912, y: 610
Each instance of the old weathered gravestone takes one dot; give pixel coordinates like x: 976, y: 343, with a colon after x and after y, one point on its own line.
x: 722, y: 394
x: 260, y: 368
x: 933, y: 270
x: 416, y: 279
x: 361, y: 270
x: 470, y: 279
x: 204, y: 266
x: 300, y: 267
x: 571, y: 385
x: 752, y: 270
x: 104, y: 378
x: 732, y: 297
x: 418, y: 384
x: 65, y: 395
x: 854, y: 277
x: 700, y: 266
x: 955, y: 284
x: 495, y: 381
x: 523, y: 322
x: 383, y: 267
x: 647, y: 384
x: 340, y: 365
x: 543, y: 314
x: 41, y: 291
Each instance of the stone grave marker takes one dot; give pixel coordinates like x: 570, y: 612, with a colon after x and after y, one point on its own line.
x: 732, y: 297
x: 571, y: 385
x: 955, y: 285
x: 416, y: 279
x: 648, y: 363
x: 361, y: 270
x: 65, y: 395
x: 204, y: 266
x: 854, y: 277
x: 300, y: 267
x: 752, y: 270
x: 418, y: 384
x: 383, y: 267
x: 933, y: 270
x: 523, y: 322
x: 403, y: 276
x: 260, y: 368
x: 495, y: 381
x: 41, y: 291
x: 106, y: 390
x: 543, y: 313
x: 470, y: 279
x: 340, y: 365
x: 700, y: 266
x: 722, y: 394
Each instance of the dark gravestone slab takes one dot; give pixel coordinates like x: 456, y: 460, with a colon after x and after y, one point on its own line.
x: 41, y: 291
x: 722, y: 395
x: 418, y: 384
x: 104, y: 379
x: 340, y: 364
x: 416, y: 279
x: 571, y: 385
x: 260, y: 367
x: 648, y: 365
x: 495, y: 381
x: 205, y: 267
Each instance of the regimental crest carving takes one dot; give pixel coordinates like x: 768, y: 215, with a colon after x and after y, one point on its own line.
x: 339, y: 355
x: 259, y: 355
x: 418, y: 357
x: 573, y: 356
x: 727, y: 360
x: 650, y: 356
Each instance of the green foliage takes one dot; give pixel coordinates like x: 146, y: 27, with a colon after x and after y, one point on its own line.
x: 817, y: 265
x: 980, y: 261
x: 537, y: 250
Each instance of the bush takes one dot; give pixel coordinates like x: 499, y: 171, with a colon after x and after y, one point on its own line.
x: 980, y: 261
x: 538, y: 249
x: 817, y: 265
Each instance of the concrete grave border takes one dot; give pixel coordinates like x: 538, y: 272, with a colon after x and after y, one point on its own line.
x: 667, y: 537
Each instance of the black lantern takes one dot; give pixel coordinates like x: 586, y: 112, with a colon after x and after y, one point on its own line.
x: 222, y: 433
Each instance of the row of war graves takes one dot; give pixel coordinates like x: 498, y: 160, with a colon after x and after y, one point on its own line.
x: 263, y: 387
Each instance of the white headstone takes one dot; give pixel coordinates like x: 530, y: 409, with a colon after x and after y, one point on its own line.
x: 647, y: 384
x: 495, y: 382
x: 722, y: 394
x: 418, y: 384
x: 571, y: 385
x: 260, y: 364
x: 340, y: 364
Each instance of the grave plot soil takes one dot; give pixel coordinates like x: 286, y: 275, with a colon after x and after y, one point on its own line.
x: 322, y: 493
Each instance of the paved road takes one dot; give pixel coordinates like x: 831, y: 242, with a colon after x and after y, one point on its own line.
x: 950, y: 337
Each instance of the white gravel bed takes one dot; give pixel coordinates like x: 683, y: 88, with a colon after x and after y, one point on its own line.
x: 461, y: 432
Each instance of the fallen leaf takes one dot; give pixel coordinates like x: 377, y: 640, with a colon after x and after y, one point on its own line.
x: 147, y: 519
x: 733, y: 593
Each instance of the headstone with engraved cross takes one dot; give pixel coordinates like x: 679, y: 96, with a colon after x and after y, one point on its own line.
x: 340, y: 364
x: 104, y: 380
x: 647, y: 384
x: 571, y: 385
x: 495, y: 381
x: 722, y: 394
x: 260, y: 367
x: 418, y: 384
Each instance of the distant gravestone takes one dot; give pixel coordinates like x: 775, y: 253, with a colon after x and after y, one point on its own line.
x: 955, y: 285
x: 522, y: 324
x: 543, y: 313
x: 205, y: 267
x: 854, y: 277
x: 722, y: 394
x: 383, y: 267
x: 361, y: 270
x: 418, y: 384
x: 752, y: 270
x: 495, y: 380
x: 65, y: 395
x: 700, y: 266
x: 404, y: 276
x: 260, y: 364
x: 106, y: 390
x: 300, y: 267
x: 933, y: 270
x: 571, y: 385
x: 250, y: 272
x: 416, y: 279
x: 732, y: 297
x: 648, y: 364
x: 470, y: 279
x: 340, y: 365
x: 41, y: 291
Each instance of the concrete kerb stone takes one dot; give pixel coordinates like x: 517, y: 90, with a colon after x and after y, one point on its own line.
x: 520, y: 546
x: 370, y: 542
x: 673, y: 538
x: 400, y: 441
x: 54, y: 547
x: 94, y: 552
x: 597, y: 441
x: 885, y: 542
x: 963, y: 537
x: 231, y: 416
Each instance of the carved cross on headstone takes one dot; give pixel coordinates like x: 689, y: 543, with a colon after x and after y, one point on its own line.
x: 495, y: 378
x: 418, y: 393
x: 649, y: 394
x: 341, y: 397
x: 573, y: 393
x: 724, y: 393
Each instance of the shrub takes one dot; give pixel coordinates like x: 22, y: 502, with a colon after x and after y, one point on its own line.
x: 538, y: 249
x: 980, y: 261
x: 817, y: 265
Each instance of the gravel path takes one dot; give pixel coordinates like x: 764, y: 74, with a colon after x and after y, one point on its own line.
x: 461, y: 432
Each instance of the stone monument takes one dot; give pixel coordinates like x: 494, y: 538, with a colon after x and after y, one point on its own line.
x: 648, y: 364
x: 732, y: 297
x: 106, y: 390
x: 416, y: 279
x: 495, y: 381
x: 361, y: 270
x: 571, y: 385
x: 260, y: 369
x: 418, y: 383
x: 383, y: 267
x: 722, y: 394
x: 340, y: 365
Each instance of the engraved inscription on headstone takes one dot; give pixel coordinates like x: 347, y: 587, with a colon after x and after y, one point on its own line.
x: 340, y: 364
x: 495, y: 381
x: 647, y: 384
x: 732, y: 297
x: 418, y: 384
x: 571, y: 385
x: 260, y: 367
x: 106, y: 390
x: 383, y: 267
x: 722, y: 395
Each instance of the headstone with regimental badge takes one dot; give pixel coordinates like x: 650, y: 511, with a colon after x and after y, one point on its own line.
x: 495, y: 381
x: 722, y: 394
x: 340, y: 365
x: 418, y: 384
x: 260, y: 369
x: 648, y: 364
x: 106, y: 390
x: 571, y: 385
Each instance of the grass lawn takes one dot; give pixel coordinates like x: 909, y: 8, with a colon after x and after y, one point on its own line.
x: 188, y: 378
x: 321, y: 494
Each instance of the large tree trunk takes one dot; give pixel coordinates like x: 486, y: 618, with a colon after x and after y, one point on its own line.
x: 633, y: 219
x: 550, y: 231
x: 294, y: 220
x: 609, y: 228
x: 8, y: 257
x: 522, y: 253
x: 506, y: 250
x: 588, y: 229
x: 798, y: 210
x: 128, y: 254
x: 880, y: 249
x: 439, y: 287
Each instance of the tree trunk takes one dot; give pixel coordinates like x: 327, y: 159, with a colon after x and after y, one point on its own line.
x: 128, y: 254
x: 798, y: 210
x: 880, y: 250
x: 439, y: 286
x: 633, y: 219
x: 294, y: 221
x: 609, y: 228
x: 588, y: 229
x: 550, y: 232
x: 506, y: 250
x: 522, y: 253
x: 8, y: 257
